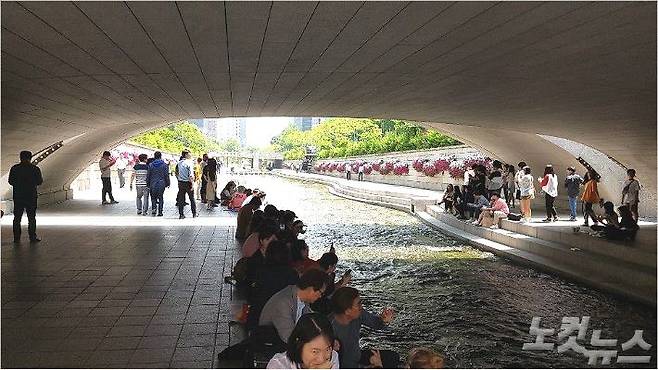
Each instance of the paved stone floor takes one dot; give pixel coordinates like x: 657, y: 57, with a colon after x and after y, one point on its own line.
x: 108, y: 288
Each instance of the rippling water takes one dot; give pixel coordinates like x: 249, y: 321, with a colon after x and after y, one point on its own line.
x: 471, y: 305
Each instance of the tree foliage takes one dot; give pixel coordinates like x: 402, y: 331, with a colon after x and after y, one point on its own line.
x: 340, y: 137
x: 184, y: 135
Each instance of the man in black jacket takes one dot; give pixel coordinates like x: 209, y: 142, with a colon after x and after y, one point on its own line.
x: 24, y: 178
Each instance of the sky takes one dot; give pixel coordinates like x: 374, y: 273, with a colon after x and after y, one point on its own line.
x: 260, y: 130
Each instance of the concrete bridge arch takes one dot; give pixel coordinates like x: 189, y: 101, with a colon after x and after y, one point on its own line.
x: 493, y: 74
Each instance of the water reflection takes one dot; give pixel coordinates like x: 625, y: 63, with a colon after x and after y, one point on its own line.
x: 475, y: 307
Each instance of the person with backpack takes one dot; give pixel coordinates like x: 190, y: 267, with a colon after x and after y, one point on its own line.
x: 157, y: 179
x: 630, y: 194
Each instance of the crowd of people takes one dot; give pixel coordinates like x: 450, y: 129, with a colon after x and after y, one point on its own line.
x: 488, y: 194
x: 298, y: 312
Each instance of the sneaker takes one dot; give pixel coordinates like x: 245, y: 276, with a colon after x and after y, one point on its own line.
x: 104, y: 203
x: 493, y: 226
x: 180, y: 217
x: 139, y: 212
x: 159, y: 214
x: 555, y: 219
x: 114, y: 202
x: 546, y: 220
x: 34, y: 240
x: 572, y: 219
x: 475, y: 222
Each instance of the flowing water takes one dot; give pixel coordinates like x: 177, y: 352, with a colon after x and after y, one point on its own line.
x: 473, y: 306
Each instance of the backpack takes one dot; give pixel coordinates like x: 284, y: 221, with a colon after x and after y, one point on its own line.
x: 514, y: 216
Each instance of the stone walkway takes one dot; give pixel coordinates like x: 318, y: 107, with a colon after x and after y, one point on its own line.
x: 108, y: 288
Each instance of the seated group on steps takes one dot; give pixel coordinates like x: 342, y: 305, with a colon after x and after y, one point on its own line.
x: 488, y: 194
x: 298, y: 314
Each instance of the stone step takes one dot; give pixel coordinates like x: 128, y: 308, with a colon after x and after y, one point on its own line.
x: 603, y: 271
x: 395, y: 203
x: 638, y: 252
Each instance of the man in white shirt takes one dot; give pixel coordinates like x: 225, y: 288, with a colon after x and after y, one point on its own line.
x: 361, y: 169
x: 185, y: 176
x: 630, y: 194
x: 105, y: 164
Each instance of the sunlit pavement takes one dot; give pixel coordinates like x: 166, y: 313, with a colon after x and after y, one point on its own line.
x: 109, y: 288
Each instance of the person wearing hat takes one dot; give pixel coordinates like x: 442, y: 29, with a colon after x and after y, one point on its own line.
x: 572, y: 183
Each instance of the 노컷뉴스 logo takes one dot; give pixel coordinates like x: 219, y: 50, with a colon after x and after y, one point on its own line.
x: 574, y: 329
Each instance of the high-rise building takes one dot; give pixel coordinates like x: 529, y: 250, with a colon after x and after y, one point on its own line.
x: 224, y: 129
x: 306, y: 123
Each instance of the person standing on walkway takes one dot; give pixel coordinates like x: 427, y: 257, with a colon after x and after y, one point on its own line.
x: 572, y: 182
x: 549, y: 186
x: 348, y: 171
x: 24, y: 177
x: 105, y: 164
x: 122, y: 163
x: 630, y: 193
x: 590, y: 196
x: 204, y: 163
x: 527, y: 193
x: 362, y: 167
x: 198, y: 172
x: 509, y: 187
x: 140, y: 172
x: 210, y: 175
x: 157, y: 180
x: 185, y: 176
x: 517, y: 181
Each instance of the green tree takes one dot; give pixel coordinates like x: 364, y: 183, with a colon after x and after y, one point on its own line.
x: 340, y: 137
x: 177, y: 137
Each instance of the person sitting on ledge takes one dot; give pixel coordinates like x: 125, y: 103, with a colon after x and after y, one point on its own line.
x: 611, y: 228
x: 490, y: 216
x: 310, y: 346
x: 447, y: 199
x: 475, y: 207
x: 285, y: 307
x: 348, y: 317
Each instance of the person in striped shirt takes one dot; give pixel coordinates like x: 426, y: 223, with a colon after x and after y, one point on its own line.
x: 140, y: 171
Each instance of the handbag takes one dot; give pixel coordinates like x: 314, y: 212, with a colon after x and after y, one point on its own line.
x: 518, y: 194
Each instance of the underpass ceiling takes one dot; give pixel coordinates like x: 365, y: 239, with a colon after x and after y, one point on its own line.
x: 559, y: 68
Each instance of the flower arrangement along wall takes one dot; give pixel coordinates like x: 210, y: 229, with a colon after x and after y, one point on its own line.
x: 367, y: 169
x: 386, y: 168
x: 332, y: 166
x: 418, y: 164
x: 442, y: 164
x: 429, y: 169
x: 457, y: 169
x: 400, y: 168
x: 376, y: 166
x: 341, y: 167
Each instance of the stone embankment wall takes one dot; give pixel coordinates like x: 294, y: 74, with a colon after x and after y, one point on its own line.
x: 414, y: 179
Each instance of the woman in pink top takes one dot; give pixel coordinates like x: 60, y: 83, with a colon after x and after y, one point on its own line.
x: 238, y: 197
x: 259, y: 240
x: 498, y: 210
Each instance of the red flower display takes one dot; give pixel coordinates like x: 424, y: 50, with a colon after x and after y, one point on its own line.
x: 429, y: 169
x: 367, y: 169
x: 341, y: 167
x: 386, y: 168
x: 332, y: 167
x: 418, y: 164
x: 401, y: 169
x: 441, y: 165
x: 376, y: 167
x: 457, y: 170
